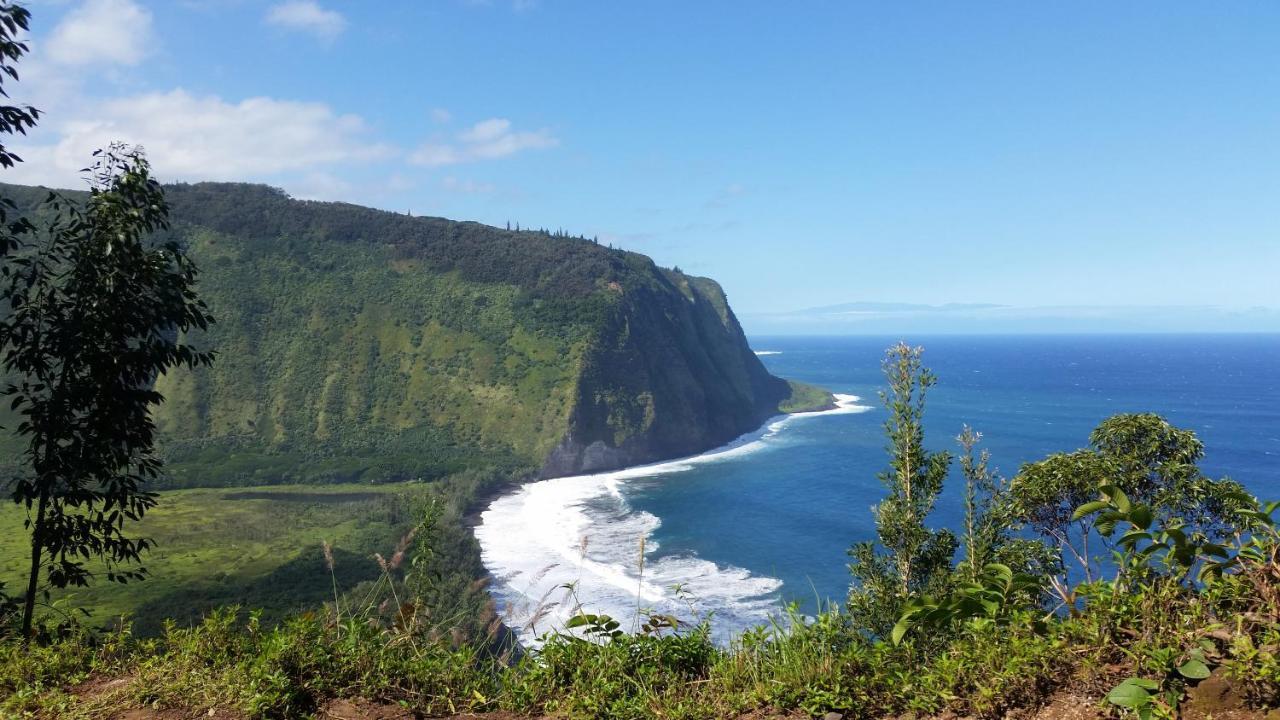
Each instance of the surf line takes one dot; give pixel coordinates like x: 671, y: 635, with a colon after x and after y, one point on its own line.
x: 559, y: 546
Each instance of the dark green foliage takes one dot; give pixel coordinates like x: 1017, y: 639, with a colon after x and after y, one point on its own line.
x: 94, y: 317
x: 445, y: 575
x: 14, y: 20
x: 1156, y: 463
x: 917, y: 559
x: 1142, y: 456
x: 1045, y: 495
x: 1169, y: 634
x: 991, y: 596
x: 991, y: 532
x: 614, y: 674
x: 983, y: 528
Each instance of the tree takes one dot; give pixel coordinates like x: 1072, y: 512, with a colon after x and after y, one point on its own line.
x: 95, y: 315
x: 990, y: 532
x: 1145, y: 457
x: 916, y: 558
x: 981, y: 486
x: 13, y: 118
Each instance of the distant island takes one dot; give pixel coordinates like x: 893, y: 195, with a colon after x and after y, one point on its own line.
x: 890, y: 318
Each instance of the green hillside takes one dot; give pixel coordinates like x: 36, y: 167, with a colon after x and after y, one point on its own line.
x: 356, y: 344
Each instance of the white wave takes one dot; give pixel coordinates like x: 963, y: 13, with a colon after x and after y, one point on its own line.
x: 768, y: 352
x: 579, y: 532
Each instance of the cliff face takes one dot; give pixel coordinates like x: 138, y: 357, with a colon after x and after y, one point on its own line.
x: 670, y: 374
x: 360, y: 344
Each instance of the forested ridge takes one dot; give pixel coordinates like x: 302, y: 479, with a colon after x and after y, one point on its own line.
x: 362, y: 345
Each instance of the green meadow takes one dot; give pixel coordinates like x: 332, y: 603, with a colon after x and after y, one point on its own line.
x: 257, y: 547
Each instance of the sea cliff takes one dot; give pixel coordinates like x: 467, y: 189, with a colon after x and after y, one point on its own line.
x: 359, y: 344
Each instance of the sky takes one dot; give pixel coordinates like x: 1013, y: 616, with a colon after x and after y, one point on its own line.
x: 806, y: 154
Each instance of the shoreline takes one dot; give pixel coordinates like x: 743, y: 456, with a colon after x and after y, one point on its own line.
x: 537, y: 537
x: 484, y: 499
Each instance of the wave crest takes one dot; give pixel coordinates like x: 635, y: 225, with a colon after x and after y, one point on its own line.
x: 557, y: 546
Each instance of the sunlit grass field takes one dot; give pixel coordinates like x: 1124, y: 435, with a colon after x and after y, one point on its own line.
x: 256, y: 547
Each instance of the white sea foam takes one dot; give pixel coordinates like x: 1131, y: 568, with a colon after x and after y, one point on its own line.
x: 579, y: 531
x: 768, y: 352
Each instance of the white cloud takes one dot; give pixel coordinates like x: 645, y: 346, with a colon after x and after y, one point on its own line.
x: 110, y: 32
x: 307, y: 16
x: 206, y: 138
x: 440, y: 115
x: 485, y: 140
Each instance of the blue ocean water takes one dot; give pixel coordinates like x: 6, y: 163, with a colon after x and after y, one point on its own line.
x: 792, y: 511
x: 772, y: 520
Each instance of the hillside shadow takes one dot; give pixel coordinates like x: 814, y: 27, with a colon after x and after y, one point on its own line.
x: 301, y: 583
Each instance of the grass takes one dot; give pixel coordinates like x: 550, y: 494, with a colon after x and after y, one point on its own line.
x: 232, y: 665
x: 257, y: 547
x: 805, y: 397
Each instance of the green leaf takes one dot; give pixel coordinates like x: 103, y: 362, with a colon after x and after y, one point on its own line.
x: 1215, y: 550
x: 900, y: 630
x: 1090, y: 508
x: 1106, y: 524
x: 1141, y: 517
x: 1121, y: 500
x: 1131, y: 538
x: 1193, y: 670
x: 1132, y: 693
x: 1004, y: 572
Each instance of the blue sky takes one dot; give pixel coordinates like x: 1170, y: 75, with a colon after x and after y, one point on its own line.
x: 804, y: 154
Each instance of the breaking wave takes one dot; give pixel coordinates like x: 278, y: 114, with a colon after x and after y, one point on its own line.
x: 555, y: 546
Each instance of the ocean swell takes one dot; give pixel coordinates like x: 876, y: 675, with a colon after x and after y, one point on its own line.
x: 556, y: 546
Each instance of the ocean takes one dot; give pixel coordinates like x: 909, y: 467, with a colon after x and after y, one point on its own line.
x: 735, y: 533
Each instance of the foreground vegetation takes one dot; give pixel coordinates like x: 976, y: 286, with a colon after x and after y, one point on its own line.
x: 1163, y: 633
x: 1011, y: 612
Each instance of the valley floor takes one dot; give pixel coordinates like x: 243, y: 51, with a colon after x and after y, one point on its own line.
x: 258, y: 547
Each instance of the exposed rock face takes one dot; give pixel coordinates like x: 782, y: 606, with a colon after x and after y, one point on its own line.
x: 671, y: 375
